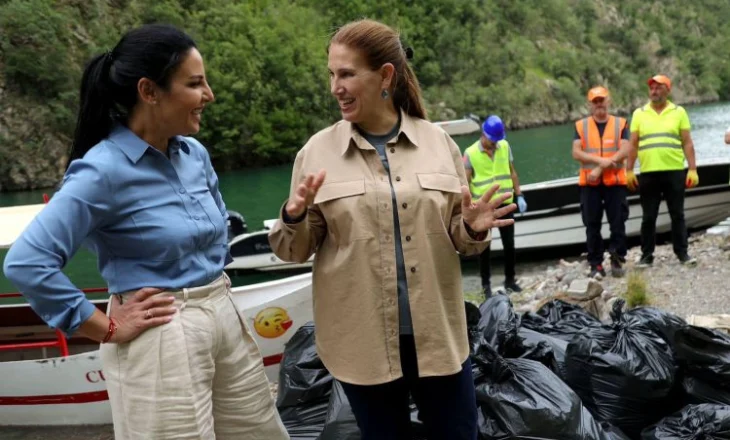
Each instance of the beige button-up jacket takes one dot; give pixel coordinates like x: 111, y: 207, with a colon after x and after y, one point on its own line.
x: 350, y: 229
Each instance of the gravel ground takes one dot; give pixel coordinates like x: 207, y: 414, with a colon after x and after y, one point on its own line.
x: 682, y: 290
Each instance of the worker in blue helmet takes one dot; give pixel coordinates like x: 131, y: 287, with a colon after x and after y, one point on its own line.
x: 488, y: 161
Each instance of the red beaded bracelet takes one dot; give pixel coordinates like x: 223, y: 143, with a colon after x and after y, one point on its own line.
x: 110, y: 332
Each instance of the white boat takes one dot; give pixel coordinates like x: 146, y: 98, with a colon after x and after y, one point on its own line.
x: 252, y: 251
x: 14, y: 220
x: 459, y: 127
x: 69, y: 390
x: 553, y: 219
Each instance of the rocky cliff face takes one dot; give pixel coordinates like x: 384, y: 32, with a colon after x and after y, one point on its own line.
x: 31, y: 154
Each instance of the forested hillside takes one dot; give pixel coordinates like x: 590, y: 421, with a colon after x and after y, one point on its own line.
x: 530, y: 61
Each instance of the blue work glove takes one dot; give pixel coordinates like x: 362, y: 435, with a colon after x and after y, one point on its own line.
x: 521, y: 203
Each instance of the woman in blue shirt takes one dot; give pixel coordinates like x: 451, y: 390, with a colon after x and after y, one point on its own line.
x: 179, y: 359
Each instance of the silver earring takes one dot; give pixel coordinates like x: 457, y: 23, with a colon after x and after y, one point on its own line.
x: 384, y: 94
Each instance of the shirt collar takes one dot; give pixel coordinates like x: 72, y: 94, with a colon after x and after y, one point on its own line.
x: 353, y: 137
x: 134, y: 147
x: 670, y: 106
x: 484, y: 150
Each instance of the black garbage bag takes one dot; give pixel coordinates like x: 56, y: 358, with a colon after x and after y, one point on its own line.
x: 559, y: 319
x: 304, y: 387
x: 663, y: 323
x: 306, y: 421
x: 472, y: 325
x: 499, y: 326
x: 623, y: 372
x: 612, y: 432
x: 340, y: 423
x: 498, y: 323
x: 698, y: 391
x: 704, y: 353
x: 693, y: 422
x: 557, y: 347
x: 303, y: 377
x: 523, y: 399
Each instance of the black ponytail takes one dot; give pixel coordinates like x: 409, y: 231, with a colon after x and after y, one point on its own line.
x: 94, y: 121
x: 109, y: 83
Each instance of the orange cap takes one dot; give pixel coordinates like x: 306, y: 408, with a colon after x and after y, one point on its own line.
x: 661, y: 79
x: 597, y: 92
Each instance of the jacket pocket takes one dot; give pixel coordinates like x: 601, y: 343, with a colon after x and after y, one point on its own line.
x: 440, y: 182
x: 441, y: 192
x: 346, y: 210
x: 339, y: 190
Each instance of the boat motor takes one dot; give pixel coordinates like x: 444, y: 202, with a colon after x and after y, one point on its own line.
x: 236, y: 225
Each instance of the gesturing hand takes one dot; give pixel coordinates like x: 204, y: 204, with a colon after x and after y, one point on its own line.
x: 140, y: 312
x: 304, y: 194
x: 484, y: 214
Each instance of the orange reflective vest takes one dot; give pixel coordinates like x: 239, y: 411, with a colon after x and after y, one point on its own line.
x: 592, y: 143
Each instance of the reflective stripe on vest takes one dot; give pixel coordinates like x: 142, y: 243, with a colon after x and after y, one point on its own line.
x: 487, y: 171
x: 592, y: 143
x: 660, y: 144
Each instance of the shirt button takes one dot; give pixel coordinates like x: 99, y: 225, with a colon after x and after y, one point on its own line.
x: 405, y: 205
x: 392, y: 150
x: 413, y: 270
x: 408, y: 238
x: 196, y: 218
x: 397, y: 178
x: 385, y: 206
x: 47, y: 317
x: 393, y: 333
x: 391, y: 302
x: 182, y: 190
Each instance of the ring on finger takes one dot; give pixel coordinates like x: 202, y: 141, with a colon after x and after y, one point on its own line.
x: 148, y: 315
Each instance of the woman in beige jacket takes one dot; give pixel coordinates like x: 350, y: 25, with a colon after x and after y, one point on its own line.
x: 382, y: 199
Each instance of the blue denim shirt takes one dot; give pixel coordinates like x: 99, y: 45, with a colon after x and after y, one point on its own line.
x: 152, y: 221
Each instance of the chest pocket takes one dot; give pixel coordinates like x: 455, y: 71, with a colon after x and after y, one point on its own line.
x: 440, y: 192
x: 216, y: 231
x: 162, y: 233
x: 346, y: 210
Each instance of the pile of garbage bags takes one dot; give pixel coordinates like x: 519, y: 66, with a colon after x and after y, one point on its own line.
x: 556, y: 374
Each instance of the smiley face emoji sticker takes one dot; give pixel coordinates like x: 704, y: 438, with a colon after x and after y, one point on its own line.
x: 272, y: 322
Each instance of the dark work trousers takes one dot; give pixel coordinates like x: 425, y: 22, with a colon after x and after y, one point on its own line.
x: 507, y: 234
x: 652, y: 188
x: 446, y: 405
x: 594, y: 200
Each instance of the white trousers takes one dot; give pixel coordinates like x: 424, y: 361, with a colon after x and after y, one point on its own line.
x: 200, y: 376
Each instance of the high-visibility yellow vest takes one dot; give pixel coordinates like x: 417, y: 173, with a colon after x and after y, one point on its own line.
x: 487, y: 171
x: 660, y: 139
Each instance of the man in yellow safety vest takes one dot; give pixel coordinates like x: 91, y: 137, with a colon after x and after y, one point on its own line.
x: 660, y: 137
x: 488, y: 161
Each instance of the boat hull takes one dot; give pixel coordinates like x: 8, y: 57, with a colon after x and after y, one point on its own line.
x: 459, y: 127
x: 71, y: 390
x: 554, y: 219
x: 252, y: 251
x: 552, y: 222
